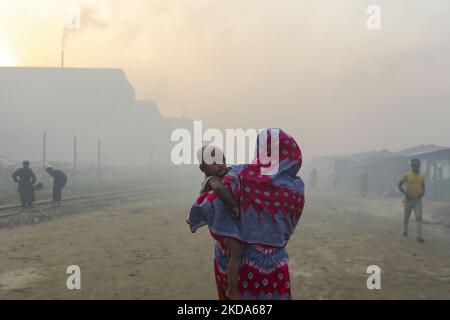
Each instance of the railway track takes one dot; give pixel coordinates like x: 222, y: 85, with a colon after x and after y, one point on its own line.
x: 39, y: 206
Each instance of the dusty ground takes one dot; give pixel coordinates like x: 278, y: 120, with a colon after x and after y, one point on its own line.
x: 144, y: 250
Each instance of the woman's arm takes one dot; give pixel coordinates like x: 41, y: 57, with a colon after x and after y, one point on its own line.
x: 224, y: 194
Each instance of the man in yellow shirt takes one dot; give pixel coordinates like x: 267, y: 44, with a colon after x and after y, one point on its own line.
x: 414, y: 191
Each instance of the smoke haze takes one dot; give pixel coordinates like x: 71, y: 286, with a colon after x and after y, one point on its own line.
x: 311, y: 67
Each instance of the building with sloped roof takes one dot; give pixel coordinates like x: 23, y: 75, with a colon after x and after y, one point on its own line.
x: 385, y: 169
x: 89, y: 104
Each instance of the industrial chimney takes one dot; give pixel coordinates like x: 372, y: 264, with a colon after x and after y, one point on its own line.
x: 62, y: 59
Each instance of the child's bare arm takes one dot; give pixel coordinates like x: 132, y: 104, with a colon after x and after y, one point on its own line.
x: 224, y: 194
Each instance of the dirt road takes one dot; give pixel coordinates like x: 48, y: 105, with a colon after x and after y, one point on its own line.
x: 144, y: 250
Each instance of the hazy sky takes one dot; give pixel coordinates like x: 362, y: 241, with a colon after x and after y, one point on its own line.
x: 311, y: 67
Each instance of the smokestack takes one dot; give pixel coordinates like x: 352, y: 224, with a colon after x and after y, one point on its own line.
x: 62, y: 59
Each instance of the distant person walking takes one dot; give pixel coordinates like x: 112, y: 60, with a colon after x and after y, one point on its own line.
x: 335, y: 179
x: 313, y: 178
x: 364, y: 184
x: 25, y: 179
x: 414, y: 191
x: 59, y: 182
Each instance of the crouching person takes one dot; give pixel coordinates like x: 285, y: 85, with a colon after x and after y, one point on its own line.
x: 59, y: 182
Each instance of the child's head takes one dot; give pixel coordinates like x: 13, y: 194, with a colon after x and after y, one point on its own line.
x: 212, y: 160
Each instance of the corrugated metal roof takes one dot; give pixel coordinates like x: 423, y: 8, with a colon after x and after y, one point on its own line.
x: 419, y: 150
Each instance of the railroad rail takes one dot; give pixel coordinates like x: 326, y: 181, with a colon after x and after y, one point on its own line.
x: 11, y: 210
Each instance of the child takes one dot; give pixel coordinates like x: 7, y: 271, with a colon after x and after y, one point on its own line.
x: 213, y: 172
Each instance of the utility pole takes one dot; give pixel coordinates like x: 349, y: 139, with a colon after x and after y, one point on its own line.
x: 159, y: 162
x: 150, y: 162
x: 159, y: 159
x: 75, y: 157
x: 150, y: 159
x: 168, y: 165
x: 44, y: 154
x: 98, y: 160
x: 44, y: 147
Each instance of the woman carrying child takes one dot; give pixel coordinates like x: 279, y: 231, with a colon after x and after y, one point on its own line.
x: 270, y: 206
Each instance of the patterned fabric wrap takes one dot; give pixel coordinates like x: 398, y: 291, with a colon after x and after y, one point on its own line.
x: 270, y: 204
x: 264, y: 273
